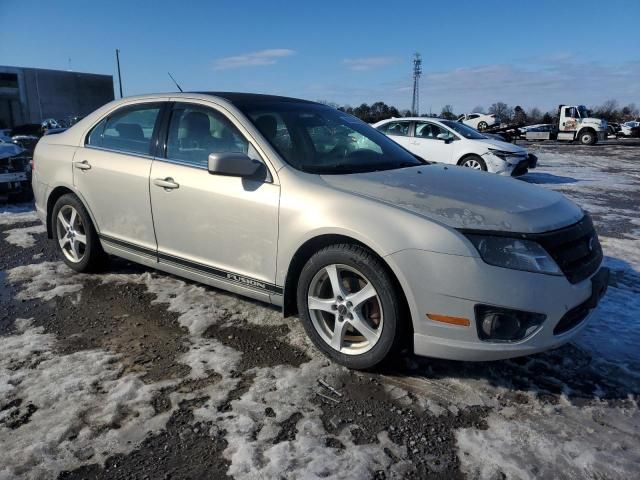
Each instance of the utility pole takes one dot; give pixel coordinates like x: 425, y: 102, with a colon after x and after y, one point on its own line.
x: 119, y: 76
x: 417, y: 71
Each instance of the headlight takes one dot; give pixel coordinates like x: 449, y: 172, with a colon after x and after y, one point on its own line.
x: 514, y: 253
x: 503, y: 155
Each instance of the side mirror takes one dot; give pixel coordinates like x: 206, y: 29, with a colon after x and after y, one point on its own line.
x: 235, y: 164
x: 443, y: 136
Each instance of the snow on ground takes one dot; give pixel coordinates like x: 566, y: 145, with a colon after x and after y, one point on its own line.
x: 80, y: 396
x: 24, y: 237
x: 14, y: 214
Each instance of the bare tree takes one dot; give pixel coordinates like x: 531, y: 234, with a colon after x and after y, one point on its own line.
x: 478, y: 109
x: 534, y: 115
x: 447, y: 113
x: 501, y: 110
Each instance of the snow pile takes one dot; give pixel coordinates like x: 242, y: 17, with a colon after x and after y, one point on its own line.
x: 542, y: 440
x: 45, y: 280
x: 70, y: 409
x: 24, y: 237
x: 13, y: 214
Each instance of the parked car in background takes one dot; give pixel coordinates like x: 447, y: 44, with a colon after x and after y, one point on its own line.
x: 5, y: 135
x: 15, y: 172
x: 454, y: 143
x: 298, y: 204
x: 626, y: 128
x: 479, y: 121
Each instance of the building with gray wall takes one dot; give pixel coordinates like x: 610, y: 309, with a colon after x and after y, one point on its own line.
x: 30, y: 95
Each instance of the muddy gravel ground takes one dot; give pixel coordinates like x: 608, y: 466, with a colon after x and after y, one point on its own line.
x: 132, y: 373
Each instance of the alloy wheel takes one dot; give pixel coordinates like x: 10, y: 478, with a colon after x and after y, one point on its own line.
x: 471, y: 163
x: 71, y: 234
x: 345, y: 309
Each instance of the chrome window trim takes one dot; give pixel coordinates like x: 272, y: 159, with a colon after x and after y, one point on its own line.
x: 121, y: 152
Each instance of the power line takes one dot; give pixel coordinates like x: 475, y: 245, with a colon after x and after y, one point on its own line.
x: 417, y: 71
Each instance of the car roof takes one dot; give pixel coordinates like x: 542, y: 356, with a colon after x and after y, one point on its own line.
x: 413, y: 119
x: 231, y: 97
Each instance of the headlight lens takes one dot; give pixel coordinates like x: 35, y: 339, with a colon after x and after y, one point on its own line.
x: 514, y: 253
x: 503, y: 155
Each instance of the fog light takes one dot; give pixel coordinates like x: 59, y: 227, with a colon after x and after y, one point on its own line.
x: 505, y: 325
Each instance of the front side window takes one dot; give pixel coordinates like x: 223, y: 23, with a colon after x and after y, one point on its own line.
x: 400, y: 129
x: 195, y: 132
x: 463, y: 130
x: 319, y: 139
x: 128, y: 130
x: 430, y: 130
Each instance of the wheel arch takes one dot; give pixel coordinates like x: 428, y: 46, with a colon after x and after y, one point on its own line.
x: 588, y: 129
x: 53, y: 197
x: 467, y: 155
x: 313, y: 245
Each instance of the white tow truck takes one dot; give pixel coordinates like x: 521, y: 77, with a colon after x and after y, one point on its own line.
x: 574, y: 124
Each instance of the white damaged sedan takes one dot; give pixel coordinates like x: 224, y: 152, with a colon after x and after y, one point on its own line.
x: 447, y: 141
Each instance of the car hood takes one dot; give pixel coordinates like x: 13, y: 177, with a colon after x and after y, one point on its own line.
x: 461, y: 198
x: 504, y: 146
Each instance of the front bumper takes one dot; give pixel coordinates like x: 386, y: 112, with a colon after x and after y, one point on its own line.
x: 453, y: 285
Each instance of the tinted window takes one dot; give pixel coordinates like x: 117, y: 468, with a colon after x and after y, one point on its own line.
x: 430, y: 130
x: 195, y: 132
x: 319, y: 139
x: 130, y: 129
x: 400, y: 129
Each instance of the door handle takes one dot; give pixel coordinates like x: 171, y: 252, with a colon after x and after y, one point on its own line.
x: 84, y: 165
x: 166, y: 183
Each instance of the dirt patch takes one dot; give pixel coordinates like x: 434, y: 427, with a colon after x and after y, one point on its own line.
x: 365, y: 409
x: 260, y: 345
x: 183, y: 450
x: 122, y: 319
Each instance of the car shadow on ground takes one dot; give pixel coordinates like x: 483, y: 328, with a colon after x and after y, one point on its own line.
x: 547, y: 178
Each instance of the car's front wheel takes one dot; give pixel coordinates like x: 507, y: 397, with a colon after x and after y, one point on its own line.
x: 75, y: 235
x: 482, y: 126
x: 349, y: 306
x: 473, y: 161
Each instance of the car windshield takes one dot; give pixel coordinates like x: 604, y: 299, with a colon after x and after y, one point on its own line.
x: 319, y: 139
x: 464, y: 130
x: 584, y: 113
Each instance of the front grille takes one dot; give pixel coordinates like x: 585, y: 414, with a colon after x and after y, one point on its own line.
x: 572, y: 318
x: 575, y: 249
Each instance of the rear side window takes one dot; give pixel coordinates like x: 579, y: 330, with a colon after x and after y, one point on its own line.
x: 127, y: 130
x: 396, y: 128
x: 195, y: 132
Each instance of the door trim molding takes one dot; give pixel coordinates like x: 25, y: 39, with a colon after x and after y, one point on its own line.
x: 200, y: 268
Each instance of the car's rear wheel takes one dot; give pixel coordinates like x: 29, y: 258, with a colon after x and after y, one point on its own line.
x: 349, y: 306
x: 474, y: 162
x: 482, y: 126
x: 76, y: 236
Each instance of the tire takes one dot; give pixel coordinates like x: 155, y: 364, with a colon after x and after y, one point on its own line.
x: 588, y: 137
x: 482, y: 126
x: 359, y: 272
x: 475, y: 162
x: 89, y: 256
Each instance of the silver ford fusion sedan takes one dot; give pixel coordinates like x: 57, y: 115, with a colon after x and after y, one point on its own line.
x: 300, y: 205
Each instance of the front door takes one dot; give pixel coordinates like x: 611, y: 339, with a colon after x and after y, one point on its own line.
x: 111, y: 173
x: 426, y: 143
x: 222, y: 228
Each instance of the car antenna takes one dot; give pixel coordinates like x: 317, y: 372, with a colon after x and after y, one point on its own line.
x: 174, y: 81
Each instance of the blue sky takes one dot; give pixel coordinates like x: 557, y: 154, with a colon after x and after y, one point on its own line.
x: 475, y: 53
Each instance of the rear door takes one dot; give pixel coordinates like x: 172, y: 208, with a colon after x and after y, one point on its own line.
x: 426, y: 143
x: 111, y: 173
x: 221, y: 230
x: 399, y: 131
